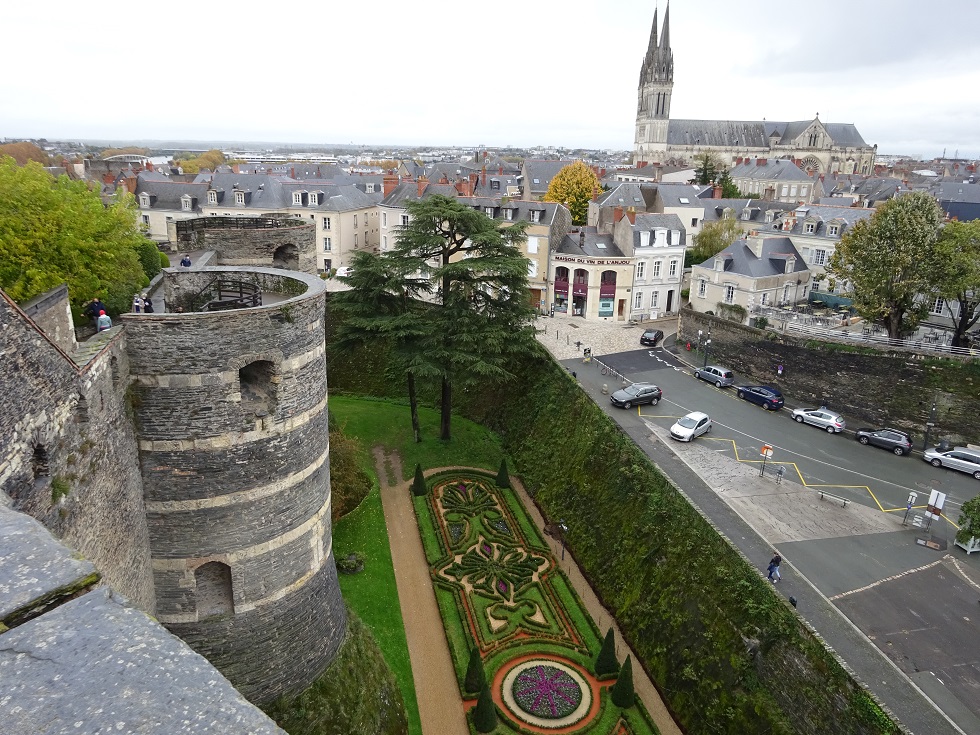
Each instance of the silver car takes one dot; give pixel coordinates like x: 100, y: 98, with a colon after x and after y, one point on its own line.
x: 689, y: 427
x: 963, y: 459
x: 821, y: 417
x: 720, y: 376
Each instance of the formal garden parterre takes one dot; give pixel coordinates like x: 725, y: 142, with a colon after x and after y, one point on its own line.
x: 501, y: 591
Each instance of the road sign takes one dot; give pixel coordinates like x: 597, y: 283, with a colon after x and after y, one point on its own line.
x: 766, y: 451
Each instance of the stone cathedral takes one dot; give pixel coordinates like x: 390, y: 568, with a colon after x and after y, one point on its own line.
x: 817, y: 147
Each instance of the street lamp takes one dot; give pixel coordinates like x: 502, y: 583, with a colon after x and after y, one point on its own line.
x: 707, y: 346
x: 929, y: 424
x: 564, y: 530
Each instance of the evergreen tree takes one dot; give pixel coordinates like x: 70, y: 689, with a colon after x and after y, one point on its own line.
x: 622, y: 692
x: 606, y: 663
x: 485, y: 712
x: 476, y: 677
x: 503, y: 478
x: 706, y: 167
x: 481, y: 316
x: 418, y: 484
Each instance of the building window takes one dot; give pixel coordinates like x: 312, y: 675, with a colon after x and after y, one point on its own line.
x: 815, y: 285
x: 355, y: 220
x: 656, y: 269
x: 326, y: 264
x: 314, y: 200
x: 785, y: 190
x: 641, y: 270
x: 239, y: 197
x: 532, y: 245
x: 532, y: 269
x: 792, y: 190
x: 809, y: 228
x: 702, y: 288
x: 654, y: 299
x: 832, y: 230
x: 488, y: 211
x: 637, y: 299
x: 819, y: 257
x: 509, y: 214
x: 297, y: 197
x: 355, y: 239
x: 404, y: 220
x: 672, y: 272
x: 535, y: 215
x: 384, y: 242
x: 938, y: 306
x: 213, y: 585
x: 212, y: 197
x: 803, y: 191
x: 144, y: 200
x: 146, y: 219
x: 785, y: 293
x: 384, y: 219
x: 327, y: 245
x: 765, y: 298
x: 729, y: 294
x: 326, y: 223
x: 369, y: 188
x: 494, y: 184
x: 694, y: 221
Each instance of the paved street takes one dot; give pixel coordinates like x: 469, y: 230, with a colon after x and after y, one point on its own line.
x: 910, y: 629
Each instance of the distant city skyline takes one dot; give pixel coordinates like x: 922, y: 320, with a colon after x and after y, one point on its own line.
x: 440, y: 74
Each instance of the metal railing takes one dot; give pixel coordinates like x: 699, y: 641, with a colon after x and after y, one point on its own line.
x: 867, y: 336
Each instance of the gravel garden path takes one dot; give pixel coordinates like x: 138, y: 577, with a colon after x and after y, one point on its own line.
x: 441, y: 709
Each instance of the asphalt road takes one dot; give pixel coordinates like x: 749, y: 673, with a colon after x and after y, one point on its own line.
x: 916, y: 605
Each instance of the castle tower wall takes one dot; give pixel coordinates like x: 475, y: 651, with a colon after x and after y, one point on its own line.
x: 231, y: 414
x: 270, y: 242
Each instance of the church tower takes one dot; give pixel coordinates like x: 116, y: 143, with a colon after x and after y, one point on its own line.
x: 653, y: 104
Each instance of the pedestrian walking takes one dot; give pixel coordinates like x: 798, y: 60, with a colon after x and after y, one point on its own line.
x: 94, y: 308
x: 774, y: 563
x: 185, y: 261
x: 137, y: 304
x: 147, y: 304
x: 104, y: 321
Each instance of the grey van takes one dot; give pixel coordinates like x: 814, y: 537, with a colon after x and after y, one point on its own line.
x: 720, y: 376
x: 964, y: 459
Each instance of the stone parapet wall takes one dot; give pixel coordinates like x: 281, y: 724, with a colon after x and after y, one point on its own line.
x: 252, y: 241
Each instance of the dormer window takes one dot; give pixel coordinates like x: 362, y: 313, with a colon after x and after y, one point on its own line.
x: 239, y: 197
x: 298, y: 198
x: 810, y: 227
x: 508, y: 214
x: 144, y: 200
x: 494, y: 183
x: 535, y: 215
x: 644, y: 238
x: 833, y: 230
x: 314, y: 199
x: 186, y: 203
x: 212, y: 197
x: 488, y: 211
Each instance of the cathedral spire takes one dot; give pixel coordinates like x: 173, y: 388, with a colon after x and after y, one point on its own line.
x: 652, y: 47
x: 665, y: 38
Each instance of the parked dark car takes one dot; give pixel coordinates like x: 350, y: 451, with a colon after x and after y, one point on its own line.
x: 897, y: 441
x: 634, y: 395
x: 763, y: 395
x: 651, y: 337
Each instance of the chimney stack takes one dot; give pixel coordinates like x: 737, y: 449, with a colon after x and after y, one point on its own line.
x: 717, y: 191
x: 761, y: 161
x: 483, y: 177
x: 754, y: 241
x: 500, y: 170
x: 292, y: 172
x: 422, y: 183
x: 389, y: 182
x: 617, y: 214
x: 473, y: 179
x: 631, y: 215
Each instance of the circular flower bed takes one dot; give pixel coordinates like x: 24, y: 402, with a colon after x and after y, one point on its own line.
x: 546, y: 693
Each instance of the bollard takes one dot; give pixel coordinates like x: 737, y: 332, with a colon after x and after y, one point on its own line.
x: 605, y: 389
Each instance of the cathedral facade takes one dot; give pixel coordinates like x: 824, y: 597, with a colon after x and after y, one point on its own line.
x: 816, y: 146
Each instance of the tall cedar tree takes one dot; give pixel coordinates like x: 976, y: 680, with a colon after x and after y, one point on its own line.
x: 476, y: 677
x: 606, y: 663
x: 382, y: 304
x: 707, y: 167
x: 623, y: 694
x: 481, y: 315
x: 485, y: 712
x: 55, y: 231
x: 891, y: 260
x: 574, y: 186
x: 503, y: 478
x: 418, y: 484
x: 959, y: 244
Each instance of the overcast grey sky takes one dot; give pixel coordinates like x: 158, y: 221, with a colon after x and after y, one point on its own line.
x: 557, y: 72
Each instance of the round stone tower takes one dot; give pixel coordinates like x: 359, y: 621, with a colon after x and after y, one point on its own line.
x: 230, y: 401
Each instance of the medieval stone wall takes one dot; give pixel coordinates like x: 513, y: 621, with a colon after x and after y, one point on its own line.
x: 231, y: 410
x: 271, y: 242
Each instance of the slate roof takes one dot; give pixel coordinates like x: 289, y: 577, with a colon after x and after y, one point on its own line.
x: 740, y: 259
x: 408, y: 191
x: 963, y: 211
x: 593, y: 245
x: 166, y: 194
x: 270, y: 193
x: 714, y: 209
x: 869, y: 188
x: 541, y: 170
x: 957, y: 192
x: 520, y: 208
x: 671, y: 194
x: 629, y: 194
x: 753, y: 133
x: 649, y: 222
x: 822, y: 216
x: 772, y: 169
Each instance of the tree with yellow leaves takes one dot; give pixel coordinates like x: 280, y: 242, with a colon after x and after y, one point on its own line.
x: 574, y: 186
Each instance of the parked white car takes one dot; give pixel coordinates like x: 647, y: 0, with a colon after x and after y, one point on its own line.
x: 824, y: 418
x: 691, y: 426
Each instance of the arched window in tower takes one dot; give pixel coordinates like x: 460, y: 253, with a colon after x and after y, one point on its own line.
x: 258, y: 385
x: 39, y: 464
x: 214, y: 590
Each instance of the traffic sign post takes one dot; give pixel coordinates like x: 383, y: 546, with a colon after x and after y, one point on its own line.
x: 766, y: 452
x: 913, y: 495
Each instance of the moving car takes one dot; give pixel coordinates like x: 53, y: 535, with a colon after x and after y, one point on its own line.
x: 651, y: 337
x: 720, y: 376
x: 897, y: 441
x: 821, y: 417
x: 634, y: 395
x: 964, y: 459
x: 691, y: 426
x: 764, y: 395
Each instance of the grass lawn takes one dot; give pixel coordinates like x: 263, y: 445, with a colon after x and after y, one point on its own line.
x: 369, y: 593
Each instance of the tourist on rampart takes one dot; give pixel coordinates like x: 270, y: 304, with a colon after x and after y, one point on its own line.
x: 185, y: 262
x: 94, y: 308
x: 147, y: 304
x: 137, y: 304
x: 104, y: 322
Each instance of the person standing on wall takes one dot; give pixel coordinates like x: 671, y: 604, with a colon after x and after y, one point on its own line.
x: 147, y: 304
x: 94, y: 308
x: 185, y: 262
x: 137, y: 304
x: 104, y: 322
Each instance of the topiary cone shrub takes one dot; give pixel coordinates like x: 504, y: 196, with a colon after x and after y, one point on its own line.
x: 418, y: 484
x: 622, y: 692
x: 485, y: 713
x: 476, y: 678
x: 606, y: 665
x: 503, y: 479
